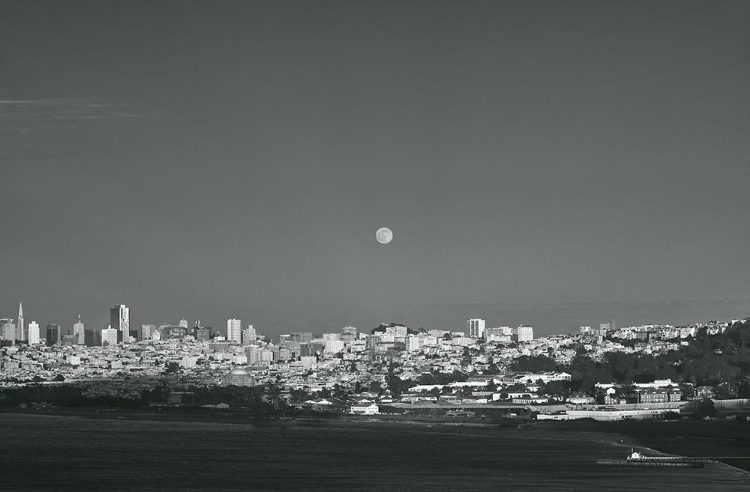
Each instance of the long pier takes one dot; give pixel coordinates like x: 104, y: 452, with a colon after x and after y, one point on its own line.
x: 693, y: 459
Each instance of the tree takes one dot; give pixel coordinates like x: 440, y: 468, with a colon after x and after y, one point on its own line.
x: 705, y: 409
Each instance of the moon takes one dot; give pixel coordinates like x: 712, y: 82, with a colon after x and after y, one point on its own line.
x: 384, y: 235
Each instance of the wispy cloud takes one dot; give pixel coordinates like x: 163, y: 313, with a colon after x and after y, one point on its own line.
x: 23, y: 116
x: 51, y: 110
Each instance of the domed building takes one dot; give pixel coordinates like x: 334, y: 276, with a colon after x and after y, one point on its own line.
x: 238, y: 377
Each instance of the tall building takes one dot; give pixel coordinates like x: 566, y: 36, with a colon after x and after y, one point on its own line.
x: 119, y: 317
x: 234, y: 330
x: 53, y: 334
x: 524, y: 333
x: 147, y: 332
x: 7, y: 331
x: 79, y: 332
x: 183, y: 323
x: 20, y: 328
x: 33, y: 333
x: 110, y: 336
x: 475, y: 328
x: 202, y: 332
x: 93, y: 337
x: 303, y: 337
x: 249, y: 335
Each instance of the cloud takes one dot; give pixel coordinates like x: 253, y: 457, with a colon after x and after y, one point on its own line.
x: 19, y: 117
x: 49, y: 111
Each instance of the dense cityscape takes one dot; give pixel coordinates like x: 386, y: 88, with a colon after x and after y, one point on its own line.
x: 603, y: 373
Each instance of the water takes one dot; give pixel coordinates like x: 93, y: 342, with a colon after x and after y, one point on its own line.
x: 64, y: 453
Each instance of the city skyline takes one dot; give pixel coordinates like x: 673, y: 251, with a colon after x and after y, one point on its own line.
x: 555, y: 164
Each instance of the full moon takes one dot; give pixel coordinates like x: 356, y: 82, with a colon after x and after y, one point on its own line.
x: 384, y: 235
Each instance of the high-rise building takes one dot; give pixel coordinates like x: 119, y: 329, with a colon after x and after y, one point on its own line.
x: 475, y: 328
x: 33, y: 333
x: 524, y: 333
x: 110, y: 336
x: 53, y: 334
x: 119, y: 317
x: 303, y: 337
x: 7, y: 331
x: 93, y: 337
x: 147, y: 332
x: 79, y: 332
x: 20, y: 328
x: 202, y: 333
x: 234, y: 330
x: 249, y: 335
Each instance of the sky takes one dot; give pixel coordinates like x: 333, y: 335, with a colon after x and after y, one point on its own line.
x: 550, y: 163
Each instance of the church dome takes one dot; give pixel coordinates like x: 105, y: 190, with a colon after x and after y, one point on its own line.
x: 238, y: 377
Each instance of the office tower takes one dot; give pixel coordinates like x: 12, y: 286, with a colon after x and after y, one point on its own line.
x: 33, y: 333
x: 202, y: 333
x: 304, y: 337
x: 110, y: 336
x: 475, y: 328
x: 79, y: 332
x: 20, y: 328
x: 8, y: 331
x: 183, y: 323
x: 93, y: 337
x: 53, y: 334
x: 249, y: 335
x: 234, y: 329
x: 147, y: 331
x: 524, y: 333
x: 119, y: 317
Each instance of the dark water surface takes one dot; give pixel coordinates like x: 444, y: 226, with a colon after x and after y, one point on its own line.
x: 66, y: 453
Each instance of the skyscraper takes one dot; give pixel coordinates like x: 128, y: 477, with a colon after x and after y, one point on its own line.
x: 53, y: 334
x: 33, y: 333
x: 110, y: 336
x: 79, y: 332
x: 475, y: 327
x: 120, y: 320
x: 234, y: 330
x: 20, y: 328
x: 249, y: 335
x: 7, y: 331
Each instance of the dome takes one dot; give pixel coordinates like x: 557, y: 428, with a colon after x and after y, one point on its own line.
x: 238, y: 377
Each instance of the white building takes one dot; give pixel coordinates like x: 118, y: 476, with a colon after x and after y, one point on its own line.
x: 334, y: 346
x: 249, y: 335
x: 524, y: 333
x: 147, y: 331
x: 234, y: 329
x: 364, y: 407
x: 308, y: 361
x: 109, y: 336
x: 78, y: 332
x: 475, y: 328
x: 33, y: 333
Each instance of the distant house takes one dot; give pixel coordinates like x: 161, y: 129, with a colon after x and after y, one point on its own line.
x: 364, y: 407
x: 332, y: 405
